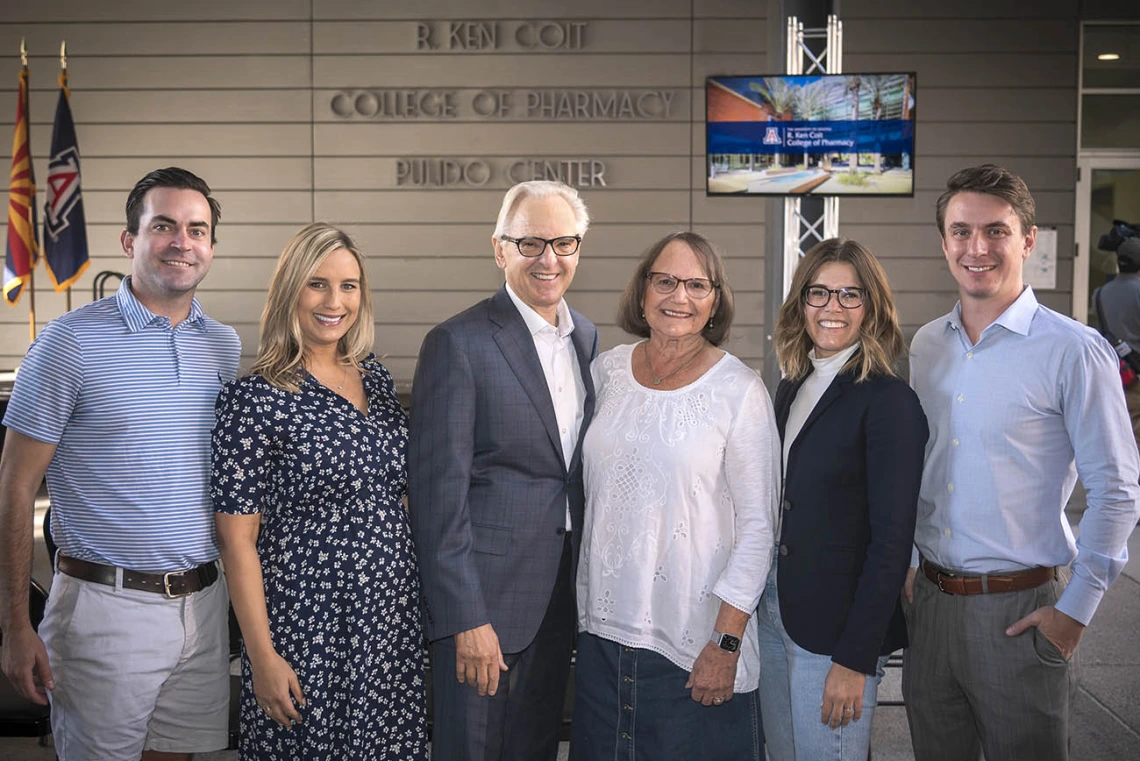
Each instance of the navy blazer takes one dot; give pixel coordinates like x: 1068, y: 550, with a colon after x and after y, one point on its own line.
x: 850, y: 500
x: 487, y: 482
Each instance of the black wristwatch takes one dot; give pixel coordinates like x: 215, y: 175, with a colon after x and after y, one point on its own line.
x: 729, y: 642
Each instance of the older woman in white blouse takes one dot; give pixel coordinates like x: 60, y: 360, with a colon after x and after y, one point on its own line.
x: 681, y: 472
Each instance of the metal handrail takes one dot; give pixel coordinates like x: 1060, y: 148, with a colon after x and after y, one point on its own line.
x: 99, y: 285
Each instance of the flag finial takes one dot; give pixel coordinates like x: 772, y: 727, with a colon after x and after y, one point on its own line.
x: 63, y: 55
x: 23, y: 54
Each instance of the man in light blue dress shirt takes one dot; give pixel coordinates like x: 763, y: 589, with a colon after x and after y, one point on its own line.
x: 1021, y: 401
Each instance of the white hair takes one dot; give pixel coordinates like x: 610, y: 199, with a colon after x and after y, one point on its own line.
x: 541, y: 189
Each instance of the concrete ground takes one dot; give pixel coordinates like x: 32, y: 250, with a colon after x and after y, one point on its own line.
x: 1106, y: 723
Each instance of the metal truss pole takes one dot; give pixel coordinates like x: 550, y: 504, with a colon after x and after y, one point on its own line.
x: 803, y: 230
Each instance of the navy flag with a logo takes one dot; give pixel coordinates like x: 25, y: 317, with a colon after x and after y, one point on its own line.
x: 65, y: 226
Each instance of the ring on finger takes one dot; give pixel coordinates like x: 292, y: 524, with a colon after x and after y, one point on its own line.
x: 848, y: 709
x: 718, y: 700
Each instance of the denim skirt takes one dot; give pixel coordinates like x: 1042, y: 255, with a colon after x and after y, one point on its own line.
x: 631, y: 704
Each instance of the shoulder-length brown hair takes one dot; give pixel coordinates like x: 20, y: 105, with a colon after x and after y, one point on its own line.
x: 281, y: 351
x: 631, y: 313
x: 881, y: 338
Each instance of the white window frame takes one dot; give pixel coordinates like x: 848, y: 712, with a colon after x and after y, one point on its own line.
x: 1089, y: 160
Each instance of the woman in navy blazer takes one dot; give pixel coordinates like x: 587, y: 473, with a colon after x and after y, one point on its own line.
x: 853, y: 438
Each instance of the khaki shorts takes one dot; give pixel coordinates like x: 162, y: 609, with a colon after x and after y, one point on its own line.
x: 136, y: 671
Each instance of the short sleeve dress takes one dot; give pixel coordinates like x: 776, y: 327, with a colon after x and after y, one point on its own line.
x: 341, y: 583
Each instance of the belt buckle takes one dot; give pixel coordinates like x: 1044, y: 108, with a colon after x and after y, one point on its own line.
x: 939, y: 575
x: 166, y: 585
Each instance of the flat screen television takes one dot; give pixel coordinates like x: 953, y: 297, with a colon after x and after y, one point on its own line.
x: 794, y: 135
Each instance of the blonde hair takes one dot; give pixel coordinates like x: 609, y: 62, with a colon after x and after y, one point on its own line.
x: 881, y: 338
x: 281, y: 350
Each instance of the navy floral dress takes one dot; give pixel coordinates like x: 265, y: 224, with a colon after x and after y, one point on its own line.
x: 341, y: 583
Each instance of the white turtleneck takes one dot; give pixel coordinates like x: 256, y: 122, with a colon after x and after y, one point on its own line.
x: 811, y: 391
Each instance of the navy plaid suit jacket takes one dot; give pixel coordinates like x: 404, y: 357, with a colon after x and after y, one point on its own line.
x: 488, y: 487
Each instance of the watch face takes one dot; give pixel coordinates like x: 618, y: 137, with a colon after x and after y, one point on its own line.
x: 729, y: 642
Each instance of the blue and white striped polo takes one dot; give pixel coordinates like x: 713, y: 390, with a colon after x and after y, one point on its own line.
x: 129, y: 402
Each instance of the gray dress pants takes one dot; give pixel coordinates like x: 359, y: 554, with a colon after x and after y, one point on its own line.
x: 969, y: 687
x: 522, y: 721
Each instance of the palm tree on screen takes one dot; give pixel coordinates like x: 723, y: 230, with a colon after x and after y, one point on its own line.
x: 854, y: 85
x: 778, y: 94
x: 811, y: 102
x: 876, y: 85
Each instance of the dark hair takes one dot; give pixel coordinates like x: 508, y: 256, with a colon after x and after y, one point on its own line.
x: 992, y: 180
x: 881, y: 338
x: 1128, y: 255
x: 171, y: 177
x: 631, y: 316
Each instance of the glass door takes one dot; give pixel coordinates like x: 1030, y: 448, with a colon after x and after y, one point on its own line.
x: 1108, y: 189
x: 1108, y: 156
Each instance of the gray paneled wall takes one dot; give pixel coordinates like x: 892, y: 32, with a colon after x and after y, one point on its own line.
x: 246, y: 92
x: 997, y: 82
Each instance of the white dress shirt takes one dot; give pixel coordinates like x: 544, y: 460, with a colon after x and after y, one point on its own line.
x: 681, y: 509
x: 563, y: 373
x: 1013, y: 420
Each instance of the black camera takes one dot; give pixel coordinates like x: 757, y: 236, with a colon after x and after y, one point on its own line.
x: 1124, y: 240
x: 1120, y: 232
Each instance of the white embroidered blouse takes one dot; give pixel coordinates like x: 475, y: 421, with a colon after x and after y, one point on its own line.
x: 681, y: 509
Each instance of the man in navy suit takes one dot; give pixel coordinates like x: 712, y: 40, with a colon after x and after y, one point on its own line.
x: 500, y: 403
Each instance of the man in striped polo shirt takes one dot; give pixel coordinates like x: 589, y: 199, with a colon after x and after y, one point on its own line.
x: 115, y: 403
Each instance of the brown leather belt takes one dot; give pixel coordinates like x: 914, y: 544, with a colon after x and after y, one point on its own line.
x: 173, y: 584
x: 952, y: 583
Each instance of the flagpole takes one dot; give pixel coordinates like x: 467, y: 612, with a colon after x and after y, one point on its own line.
x: 32, y: 202
x: 63, y: 86
x: 65, y: 227
x: 22, y: 252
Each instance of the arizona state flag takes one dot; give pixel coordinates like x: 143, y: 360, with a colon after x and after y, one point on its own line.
x: 23, y: 246
x: 65, y: 226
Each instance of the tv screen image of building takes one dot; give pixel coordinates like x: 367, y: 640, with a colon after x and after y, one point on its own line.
x: 834, y: 134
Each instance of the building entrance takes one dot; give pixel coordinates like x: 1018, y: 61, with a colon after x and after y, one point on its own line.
x: 1108, y: 189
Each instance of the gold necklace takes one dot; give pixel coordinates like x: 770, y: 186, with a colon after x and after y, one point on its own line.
x: 343, y: 379
x: 657, y: 379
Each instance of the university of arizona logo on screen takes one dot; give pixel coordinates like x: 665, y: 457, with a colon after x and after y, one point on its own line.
x: 63, y: 191
x: 772, y: 136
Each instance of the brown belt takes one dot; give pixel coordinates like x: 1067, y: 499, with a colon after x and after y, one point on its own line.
x: 172, y: 584
x: 956, y: 584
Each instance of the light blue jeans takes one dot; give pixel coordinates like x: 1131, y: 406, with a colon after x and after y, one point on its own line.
x: 791, y: 690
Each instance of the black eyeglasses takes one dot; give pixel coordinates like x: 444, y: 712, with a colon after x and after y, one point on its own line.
x: 531, y: 247
x: 818, y: 296
x: 697, y: 287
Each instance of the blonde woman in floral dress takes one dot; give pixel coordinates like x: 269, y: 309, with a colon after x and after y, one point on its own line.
x: 308, y: 478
